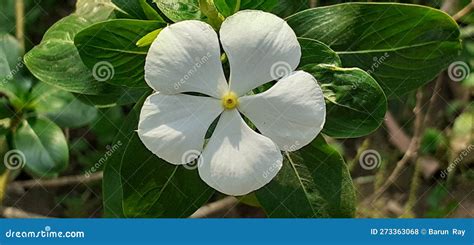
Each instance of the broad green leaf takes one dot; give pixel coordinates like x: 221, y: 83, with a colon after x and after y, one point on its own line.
x: 314, y: 182
x: 355, y: 102
x: 12, y: 51
x: 44, y: 146
x: 56, y: 60
x: 17, y: 90
x: 314, y: 52
x: 61, y: 107
x: 123, y: 96
x: 285, y: 8
x: 178, y: 10
x: 95, y: 10
x: 265, y: 5
x: 139, y: 9
x: 112, y: 185
x: 109, y: 49
x: 402, y: 46
x: 155, y: 188
x: 229, y: 7
x: 6, y: 111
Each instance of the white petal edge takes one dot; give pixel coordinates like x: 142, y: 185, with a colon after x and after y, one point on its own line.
x: 173, y: 127
x: 260, y: 46
x: 185, y: 57
x: 237, y: 160
x: 291, y: 113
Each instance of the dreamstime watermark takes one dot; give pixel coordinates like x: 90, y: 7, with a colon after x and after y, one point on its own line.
x: 192, y: 159
x: 14, y: 159
x: 272, y: 170
x: 293, y: 147
x: 370, y: 159
x: 199, y: 63
x: 378, y: 61
x: 458, y: 71
x: 280, y: 69
x: 444, y: 173
x: 110, y: 151
x: 103, y: 71
x: 47, y: 232
x: 14, y: 71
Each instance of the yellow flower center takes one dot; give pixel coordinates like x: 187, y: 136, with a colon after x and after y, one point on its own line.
x: 230, y: 100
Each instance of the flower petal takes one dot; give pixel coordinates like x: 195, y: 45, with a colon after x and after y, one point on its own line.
x: 173, y: 127
x: 185, y: 57
x: 260, y: 46
x: 291, y: 113
x: 237, y: 160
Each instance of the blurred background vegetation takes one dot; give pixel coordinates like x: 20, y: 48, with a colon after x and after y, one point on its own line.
x: 427, y: 139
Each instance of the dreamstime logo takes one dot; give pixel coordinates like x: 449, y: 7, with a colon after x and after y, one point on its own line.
x: 14, y: 159
x: 192, y: 159
x: 378, y: 61
x: 458, y: 71
x: 14, y: 71
x: 199, y: 63
x: 370, y: 159
x: 280, y: 70
x: 455, y: 162
x: 274, y: 168
x: 103, y: 71
x: 110, y: 151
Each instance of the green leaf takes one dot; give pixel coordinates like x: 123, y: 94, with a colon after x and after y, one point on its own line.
x: 56, y: 60
x: 418, y: 42
x: 44, y: 146
x: 285, y: 8
x: 12, y: 51
x: 6, y: 111
x: 229, y: 7
x: 112, y: 185
x: 61, y: 107
x: 147, y: 185
x: 109, y: 47
x: 94, y: 10
x: 314, y: 182
x: 138, y: 9
x: 355, y: 103
x: 155, y: 188
x: 314, y: 52
x: 123, y: 96
x: 178, y: 10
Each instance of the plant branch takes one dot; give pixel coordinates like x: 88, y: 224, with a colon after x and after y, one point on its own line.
x: 215, y: 208
x: 11, y: 212
x: 410, y: 153
x: 463, y: 12
x: 59, y: 182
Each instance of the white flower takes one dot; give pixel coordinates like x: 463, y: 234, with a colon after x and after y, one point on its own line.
x: 236, y: 160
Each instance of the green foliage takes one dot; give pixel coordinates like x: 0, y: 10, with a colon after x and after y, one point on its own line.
x: 314, y: 182
x: 401, y: 54
x: 139, y: 184
x: 355, y: 103
x: 44, y: 146
x: 177, y: 10
x: 114, y: 41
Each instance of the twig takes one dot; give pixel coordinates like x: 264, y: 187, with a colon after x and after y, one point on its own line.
x: 11, y: 212
x: 463, y: 12
x: 20, y: 22
x: 62, y: 181
x: 411, y: 152
x: 215, y: 208
x: 398, y: 137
